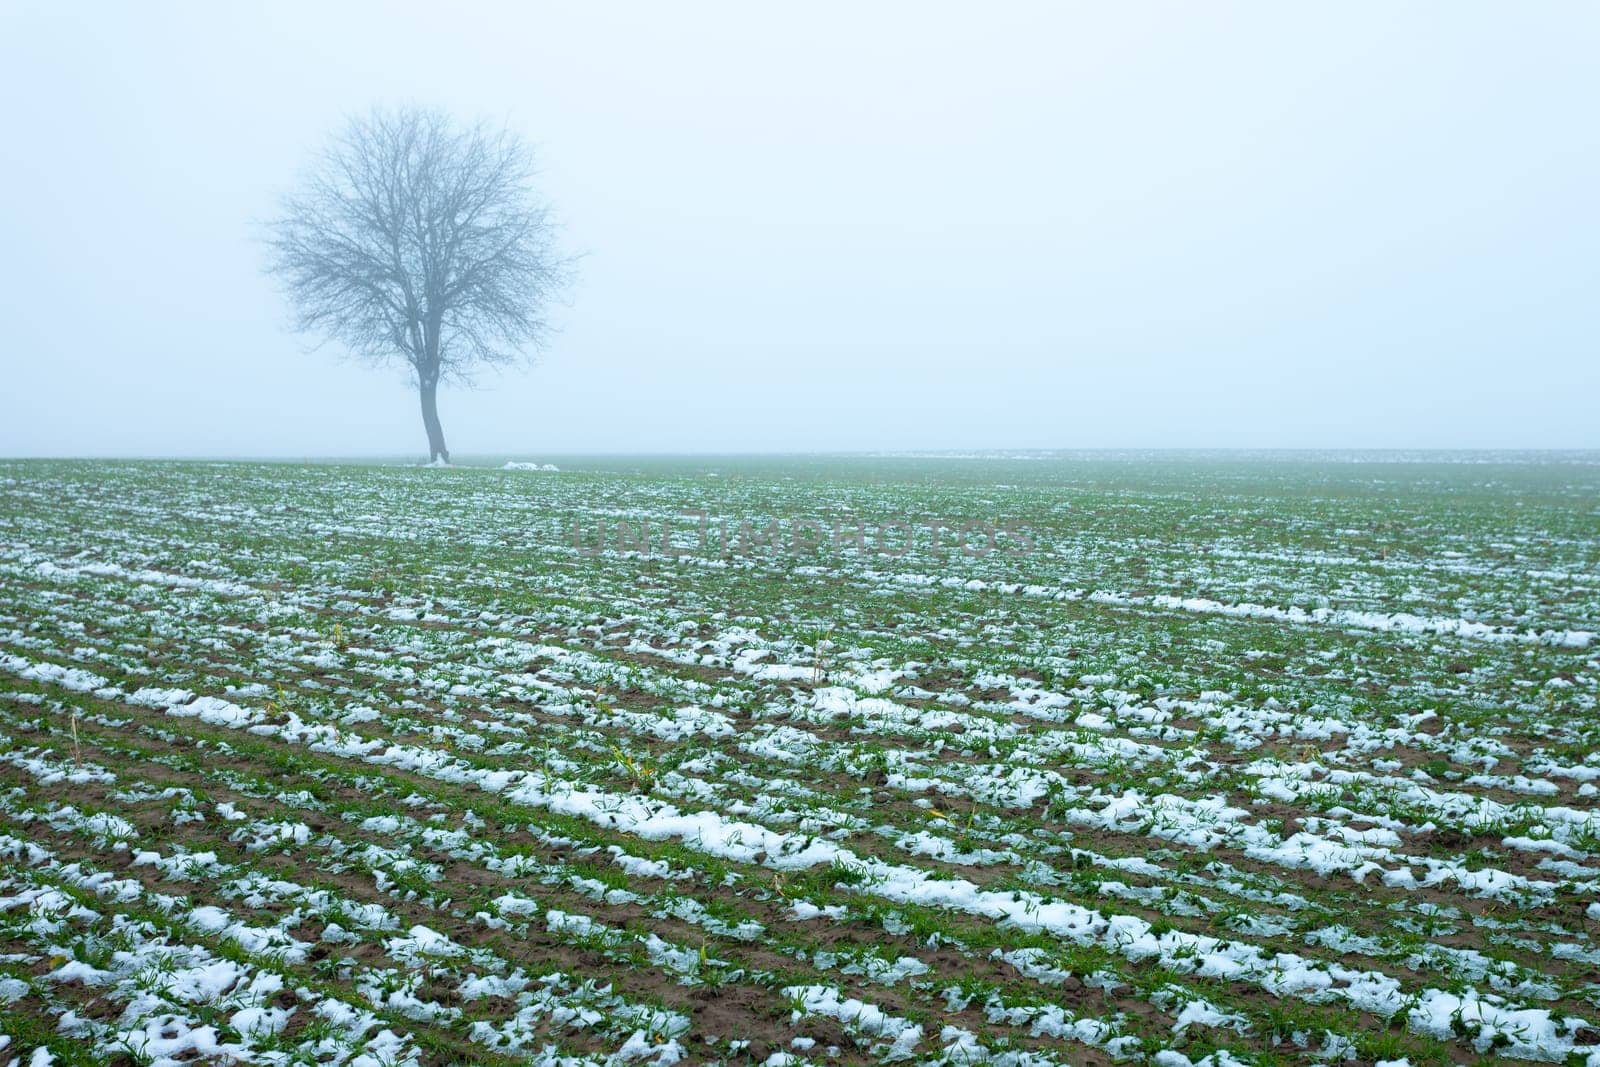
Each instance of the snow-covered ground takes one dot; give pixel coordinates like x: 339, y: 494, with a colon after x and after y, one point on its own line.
x: 1253, y: 761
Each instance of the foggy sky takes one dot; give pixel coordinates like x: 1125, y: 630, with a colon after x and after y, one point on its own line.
x: 838, y: 226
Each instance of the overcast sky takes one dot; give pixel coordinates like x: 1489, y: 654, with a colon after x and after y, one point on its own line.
x: 838, y: 226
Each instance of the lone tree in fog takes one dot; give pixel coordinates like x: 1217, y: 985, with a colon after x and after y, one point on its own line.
x: 415, y: 238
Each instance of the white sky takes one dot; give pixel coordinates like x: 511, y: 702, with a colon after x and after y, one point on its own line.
x: 839, y: 226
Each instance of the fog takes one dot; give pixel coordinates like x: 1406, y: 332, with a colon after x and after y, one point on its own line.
x: 837, y: 226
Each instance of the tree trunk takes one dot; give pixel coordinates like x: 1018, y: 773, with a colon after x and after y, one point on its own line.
x: 430, y: 420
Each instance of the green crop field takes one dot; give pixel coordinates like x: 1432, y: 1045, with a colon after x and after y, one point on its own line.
x: 1205, y: 758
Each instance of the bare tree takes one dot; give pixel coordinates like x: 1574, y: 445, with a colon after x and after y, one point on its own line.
x: 414, y: 238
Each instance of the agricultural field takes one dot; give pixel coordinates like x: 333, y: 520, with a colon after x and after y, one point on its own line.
x: 1211, y: 759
